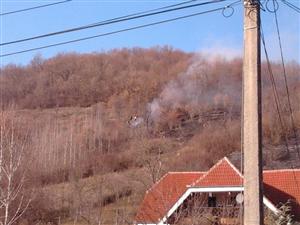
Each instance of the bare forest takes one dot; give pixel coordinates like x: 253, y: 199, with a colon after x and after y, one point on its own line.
x: 83, y: 136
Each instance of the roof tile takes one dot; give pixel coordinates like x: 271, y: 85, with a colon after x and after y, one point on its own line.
x: 279, y: 187
x: 222, y: 174
x: 164, y: 195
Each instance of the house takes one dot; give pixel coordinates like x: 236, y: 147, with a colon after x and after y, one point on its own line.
x: 217, y: 191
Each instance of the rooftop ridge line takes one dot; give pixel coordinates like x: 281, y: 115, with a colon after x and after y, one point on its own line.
x: 216, y: 165
x: 157, y: 182
x: 174, y: 172
x: 281, y: 170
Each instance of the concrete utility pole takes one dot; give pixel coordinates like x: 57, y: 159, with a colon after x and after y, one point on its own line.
x: 253, y: 203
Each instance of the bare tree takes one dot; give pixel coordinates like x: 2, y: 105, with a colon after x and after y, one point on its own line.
x: 13, y: 197
x: 284, y: 216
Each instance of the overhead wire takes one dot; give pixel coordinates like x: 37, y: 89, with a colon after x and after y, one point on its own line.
x: 274, y: 88
x: 146, y: 11
x: 288, y: 95
x: 277, y: 102
x: 120, y: 31
x: 33, y: 8
x: 286, y: 83
x: 134, y: 16
x: 291, y: 5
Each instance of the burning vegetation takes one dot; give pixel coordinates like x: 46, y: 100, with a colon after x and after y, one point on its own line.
x: 101, y: 128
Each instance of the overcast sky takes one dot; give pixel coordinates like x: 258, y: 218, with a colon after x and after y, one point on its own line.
x: 211, y: 33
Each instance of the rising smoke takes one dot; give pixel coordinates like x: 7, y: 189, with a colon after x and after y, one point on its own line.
x: 208, y: 83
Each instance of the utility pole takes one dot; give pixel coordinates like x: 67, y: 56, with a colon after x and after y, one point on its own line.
x: 253, y: 196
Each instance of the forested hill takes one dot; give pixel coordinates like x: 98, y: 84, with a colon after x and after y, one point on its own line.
x: 84, y: 79
x: 98, y: 129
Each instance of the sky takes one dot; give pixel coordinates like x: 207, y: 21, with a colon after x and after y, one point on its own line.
x: 210, y: 33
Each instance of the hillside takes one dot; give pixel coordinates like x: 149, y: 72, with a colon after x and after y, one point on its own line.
x: 94, y: 131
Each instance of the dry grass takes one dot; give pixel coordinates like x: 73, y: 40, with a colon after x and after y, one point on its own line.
x: 89, y: 157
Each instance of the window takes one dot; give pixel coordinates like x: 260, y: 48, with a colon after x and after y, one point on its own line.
x: 212, y: 201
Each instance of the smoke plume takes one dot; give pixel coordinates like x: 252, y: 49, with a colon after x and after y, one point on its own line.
x: 209, y: 82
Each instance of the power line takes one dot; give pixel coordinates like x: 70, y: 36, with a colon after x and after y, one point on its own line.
x: 274, y: 88
x: 112, y: 32
x: 32, y: 8
x: 286, y: 84
x: 114, y: 20
x: 277, y: 105
x: 147, y: 11
x: 292, y: 6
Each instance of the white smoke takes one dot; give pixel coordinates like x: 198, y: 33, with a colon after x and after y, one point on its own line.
x: 155, y: 109
x: 194, y: 89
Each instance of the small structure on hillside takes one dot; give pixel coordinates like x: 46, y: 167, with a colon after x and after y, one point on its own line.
x: 135, y: 121
x: 215, y: 195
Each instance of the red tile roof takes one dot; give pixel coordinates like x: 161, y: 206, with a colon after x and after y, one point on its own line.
x: 283, y: 185
x: 164, y: 194
x: 221, y: 174
x: 279, y: 187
